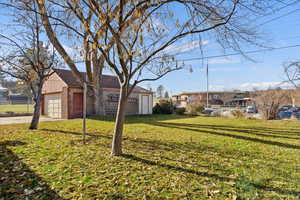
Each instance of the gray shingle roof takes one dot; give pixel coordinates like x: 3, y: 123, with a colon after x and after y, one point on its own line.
x: 108, y: 81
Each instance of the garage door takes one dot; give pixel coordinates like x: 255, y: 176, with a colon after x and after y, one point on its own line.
x: 145, y: 104
x: 53, y: 105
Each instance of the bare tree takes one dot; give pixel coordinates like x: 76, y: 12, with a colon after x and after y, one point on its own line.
x: 269, y: 101
x: 135, y: 37
x: 25, y: 55
x: 159, y: 91
x: 292, y: 71
x: 69, y: 35
x: 166, y: 95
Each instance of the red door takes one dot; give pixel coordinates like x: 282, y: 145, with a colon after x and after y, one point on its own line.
x: 77, y: 104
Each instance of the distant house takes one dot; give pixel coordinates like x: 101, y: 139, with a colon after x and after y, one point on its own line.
x: 232, y: 98
x: 63, y: 97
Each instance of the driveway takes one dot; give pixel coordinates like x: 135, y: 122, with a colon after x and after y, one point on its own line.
x: 23, y: 119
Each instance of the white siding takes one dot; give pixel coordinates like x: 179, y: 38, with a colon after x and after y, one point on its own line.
x: 145, y: 104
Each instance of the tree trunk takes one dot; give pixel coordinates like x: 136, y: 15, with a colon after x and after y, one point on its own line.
x: 117, y: 137
x: 37, y: 109
x: 98, y: 90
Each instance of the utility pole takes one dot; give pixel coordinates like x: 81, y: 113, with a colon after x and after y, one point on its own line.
x: 207, y: 86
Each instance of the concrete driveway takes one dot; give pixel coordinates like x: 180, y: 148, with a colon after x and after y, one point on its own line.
x: 23, y: 119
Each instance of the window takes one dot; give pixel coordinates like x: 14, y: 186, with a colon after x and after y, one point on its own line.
x: 216, y: 96
x: 115, y: 98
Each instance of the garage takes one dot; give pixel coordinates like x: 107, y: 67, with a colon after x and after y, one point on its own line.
x: 52, y: 106
x: 63, y: 97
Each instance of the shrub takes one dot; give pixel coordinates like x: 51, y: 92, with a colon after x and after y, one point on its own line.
x: 156, y: 109
x: 200, y: 108
x: 237, y: 114
x: 194, y: 109
x: 180, y: 111
x: 165, y: 107
x: 270, y: 101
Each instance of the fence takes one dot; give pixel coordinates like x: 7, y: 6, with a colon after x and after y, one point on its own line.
x: 16, y: 104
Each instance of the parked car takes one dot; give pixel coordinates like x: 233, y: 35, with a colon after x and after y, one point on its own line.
x: 294, y: 109
x: 285, y: 115
x: 216, y: 113
x: 251, y: 109
x: 297, y: 115
x: 285, y: 108
x: 207, y: 111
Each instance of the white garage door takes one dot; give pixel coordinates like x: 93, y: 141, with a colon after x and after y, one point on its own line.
x: 53, y: 105
x: 145, y: 104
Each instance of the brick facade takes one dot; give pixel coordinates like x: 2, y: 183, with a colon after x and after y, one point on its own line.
x: 64, y: 103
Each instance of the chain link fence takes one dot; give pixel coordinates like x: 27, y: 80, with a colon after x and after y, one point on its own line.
x: 15, y: 104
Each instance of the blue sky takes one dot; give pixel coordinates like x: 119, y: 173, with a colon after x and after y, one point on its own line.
x: 236, y: 72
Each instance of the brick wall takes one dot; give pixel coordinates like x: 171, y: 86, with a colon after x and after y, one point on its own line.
x: 64, y: 103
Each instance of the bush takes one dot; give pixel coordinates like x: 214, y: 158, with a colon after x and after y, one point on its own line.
x: 180, y: 111
x: 200, y: 108
x: 156, y: 109
x: 165, y: 107
x: 237, y: 114
x: 194, y: 109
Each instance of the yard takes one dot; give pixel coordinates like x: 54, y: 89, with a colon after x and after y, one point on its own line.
x: 18, y: 108
x: 166, y: 157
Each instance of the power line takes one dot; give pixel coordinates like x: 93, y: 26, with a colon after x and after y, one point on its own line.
x: 274, y: 12
x: 280, y: 8
x: 247, y: 52
x: 276, y: 18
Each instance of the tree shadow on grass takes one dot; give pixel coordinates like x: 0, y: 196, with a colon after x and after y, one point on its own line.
x: 176, y: 168
x: 17, y: 181
x: 150, y: 119
x: 263, y: 131
x: 144, y: 145
x: 154, y: 144
x: 200, y: 129
x: 210, y: 175
x: 135, y: 119
x: 248, y: 130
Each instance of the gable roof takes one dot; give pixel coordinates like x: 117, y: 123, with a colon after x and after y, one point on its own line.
x: 107, y: 81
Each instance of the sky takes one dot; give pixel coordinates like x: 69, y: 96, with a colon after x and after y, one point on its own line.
x: 265, y: 68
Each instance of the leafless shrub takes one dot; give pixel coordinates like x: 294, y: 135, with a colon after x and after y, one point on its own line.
x: 269, y: 102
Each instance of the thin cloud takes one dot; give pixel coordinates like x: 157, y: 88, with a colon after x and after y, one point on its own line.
x: 265, y: 85
x: 217, y: 88
x: 221, y: 69
x: 73, y: 52
x: 185, y: 47
x: 223, y: 61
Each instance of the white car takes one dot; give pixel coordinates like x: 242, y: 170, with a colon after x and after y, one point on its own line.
x: 251, y: 109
